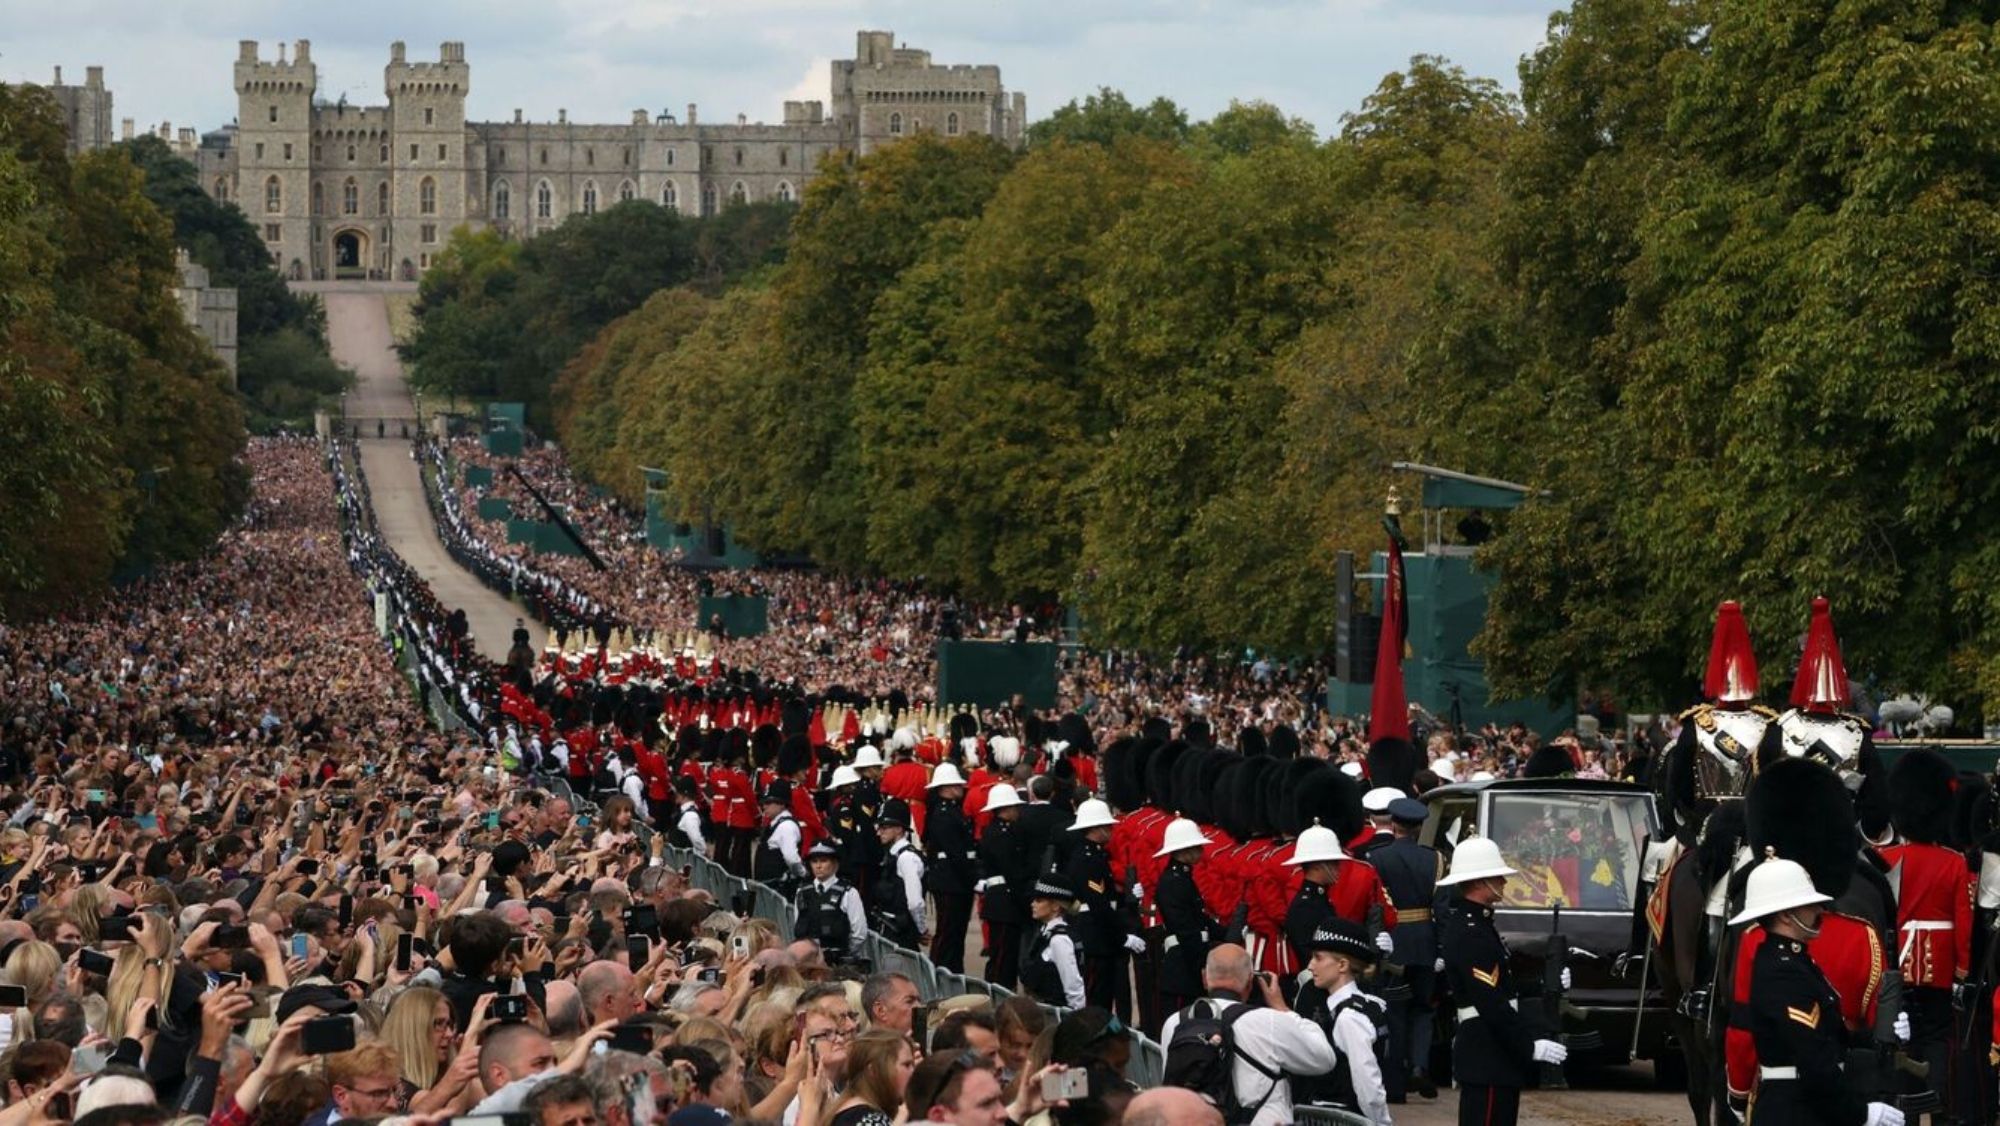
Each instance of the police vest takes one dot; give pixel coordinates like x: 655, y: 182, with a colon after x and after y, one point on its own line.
x: 1339, y: 1084
x: 821, y: 918
x: 676, y: 836
x: 770, y: 866
x: 1039, y: 975
x: 891, y: 899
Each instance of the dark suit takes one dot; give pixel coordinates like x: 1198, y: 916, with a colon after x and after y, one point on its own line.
x: 951, y: 869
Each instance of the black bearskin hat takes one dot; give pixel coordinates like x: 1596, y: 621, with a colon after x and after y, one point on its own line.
x: 1549, y: 761
x: 1972, y: 811
x: 1228, y: 816
x: 1157, y: 727
x: 764, y: 744
x: 1250, y: 742
x: 1186, y: 782
x: 963, y: 726
x: 1392, y: 761
x: 1120, y: 789
x: 1245, y: 798
x: 1160, y: 774
x: 794, y: 754
x: 1802, y: 810
x: 1137, y: 767
x: 1075, y: 730
x: 1214, y: 769
x: 1333, y: 799
x: 1921, y: 797
x: 1293, y: 815
x: 1871, y: 804
x: 1034, y: 732
x: 794, y: 717
x: 1284, y: 742
x: 1197, y: 732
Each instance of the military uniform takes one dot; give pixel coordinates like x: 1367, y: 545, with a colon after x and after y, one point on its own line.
x: 1190, y: 931
x: 1006, y: 871
x: 1493, y: 1051
x: 1099, y: 922
x: 950, y: 875
x: 1796, y: 1027
x: 1410, y: 873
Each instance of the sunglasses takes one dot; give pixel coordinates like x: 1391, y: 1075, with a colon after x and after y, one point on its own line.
x: 965, y: 1061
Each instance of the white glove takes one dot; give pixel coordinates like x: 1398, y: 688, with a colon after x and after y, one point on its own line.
x: 1903, y: 1027
x: 1882, y: 1114
x: 1384, y: 943
x: 1138, y: 890
x: 1551, y: 1051
x: 1565, y: 979
x: 1439, y: 967
x: 1135, y: 944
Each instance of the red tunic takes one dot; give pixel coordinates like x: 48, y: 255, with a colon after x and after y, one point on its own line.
x: 1269, y: 901
x: 1219, y: 888
x: 812, y: 829
x: 1847, y: 951
x: 1933, y: 914
x: 907, y: 780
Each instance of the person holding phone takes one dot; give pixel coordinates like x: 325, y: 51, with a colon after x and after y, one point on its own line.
x: 878, y: 1072
x: 1272, y: 1042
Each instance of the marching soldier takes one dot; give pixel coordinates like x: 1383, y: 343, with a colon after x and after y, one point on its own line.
x: 953, y: 865
x: 1317, y: 852
x: 1006, y: 873
x: 1410, y: 871
x: 853, y: 828
x: 1794, y: 1013
x: 1190, y: 929
x: 1494, y: 1052
x: 1102, y: 926
x: 1933, y: 908
x: 830, y: 910
x: 899, y: 886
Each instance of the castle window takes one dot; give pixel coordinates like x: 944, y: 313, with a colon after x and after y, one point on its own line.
x: 545, y: 156
x: 708, y: 199
x: 427, y: 196
x: 738, y: 194
x: 319, y: 198
x: 273, y: 232
x: 260, y: 150
x: 499, y: 157
x: 626, y: 191
x: 413, y: 154
x: 590, y: 197
x: 895, y: 124
x: 429, y: 232
x: 441, y: 153
x: 430, y: 116
x: 274, y: 114
x: 708, y: 156
x: 382, y: 199
x: 626, y: 154
x: 502, y: 200
x: 288, y: 150
x: 739, y: 156
x: 590, y: 157
x: 670, y: 158
x: 274, y: 196
x: 385, y: 152
x: 784, y: 158
x: 669, y: 198
x: 222, y: 189
x: 350, y: 197
x: 423, y: 261
x: 784, y: 191
x: 544, y: 200
x: 951, y: 125
x: 316, y: 156
x: 350, y: 154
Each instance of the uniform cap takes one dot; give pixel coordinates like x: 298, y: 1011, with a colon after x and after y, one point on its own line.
x: 1476, y: 858
x: 1181, y: 833
x: 1340, y: 936
x: 1732, y: 665
x: 1443, y: 769
x: 823, y: 848
x: 1092, y: 814
x: 894, y: 811
x: 1351, y: 769
x: 1052, y: 886
x: 945, y: 775
x: 844, y: 776
x: 1317, y: 845
x: 866, y: 757
x: 1000, y: 797
x: 1377, y: 800
x: 1776, y: 885
x: 1408, y: 811
x: 778, y: 792
x: 1822, y: 679
x: 1006, y: 751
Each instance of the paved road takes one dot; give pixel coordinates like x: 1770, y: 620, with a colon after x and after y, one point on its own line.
x: 357, y: 325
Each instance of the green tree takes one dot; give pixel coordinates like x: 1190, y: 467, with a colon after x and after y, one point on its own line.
x: 1108, y: 116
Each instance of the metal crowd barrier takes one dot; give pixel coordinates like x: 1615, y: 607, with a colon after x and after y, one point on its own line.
x: 1149, y: 1058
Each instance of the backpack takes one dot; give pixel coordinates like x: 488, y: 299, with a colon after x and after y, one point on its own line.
x: 1200, y: 1055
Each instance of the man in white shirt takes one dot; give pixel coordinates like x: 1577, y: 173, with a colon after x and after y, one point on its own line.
x: 1269, y: 1039
x: 1340, y: 949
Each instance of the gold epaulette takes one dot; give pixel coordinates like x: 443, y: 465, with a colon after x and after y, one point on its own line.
x: 1689, y: 714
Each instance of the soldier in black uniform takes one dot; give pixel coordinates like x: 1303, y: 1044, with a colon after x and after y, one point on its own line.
x: 1410, y: 873
x: 852, y: 826
x: 830, y: 909
x: 1006, y: 873
x: 952, y: 866
x: 1495, y: 1052
x: 1795, y: 1016
x: 1100, y: 920
x: 1317, y: 852
x: 1190, y: 929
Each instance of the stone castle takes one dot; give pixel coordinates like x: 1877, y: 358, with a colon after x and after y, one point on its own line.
x: 344, y: 191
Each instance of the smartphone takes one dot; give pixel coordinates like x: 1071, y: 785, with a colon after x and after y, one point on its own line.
x: 583, y: 820
x: 712, y: 975
x: 324, y: 1036
x: 13, y: 996
x: 517, y: 947
x: 509, y: 1008
x: 116, y: 928
x: 152, y: 1021
x: 346, y: 910
x: 493, y: 819
x: 635, y: 1038
x: 29, y: 903
x: 638, y: 950
x: 224, y: 977
x: 93, y: 797
x: 406, y: 944
x: 739, y: 946
x: 370, y: 874
x: 299, y: 948
x: 230, y: 936
x: 920, y: 1028
x: 1071, y: 1084
x: 642, y: 919
x: 559, y: 925
x: 59, y: 1108
x: 308, y: 868
x: 95, y: 961
x: 413, y: 902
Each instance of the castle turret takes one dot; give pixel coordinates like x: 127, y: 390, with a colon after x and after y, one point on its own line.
x: 428, y: 188
x: 274, y: 141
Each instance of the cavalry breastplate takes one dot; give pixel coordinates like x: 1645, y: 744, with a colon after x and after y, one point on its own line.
x: 1833, y: 741
x: 1727, y: 740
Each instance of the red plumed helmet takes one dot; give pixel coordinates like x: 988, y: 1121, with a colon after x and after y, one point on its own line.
x: 1732, y: 666
x: 1822, y: 682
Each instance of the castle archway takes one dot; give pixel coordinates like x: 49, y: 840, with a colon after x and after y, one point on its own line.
x: 350, y: 254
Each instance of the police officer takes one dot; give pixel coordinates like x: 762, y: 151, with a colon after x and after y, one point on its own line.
x: 1190, y: 929
x: 1006, y: 874
x: 1410, y: 874
x: 778, y: 861
x: 1794, y: 1013
x: 1050, y: 971
x: 953, y: 865
x: 1494, y: 1053
x: 685, y: 832
x: 1106, y: 940
x: 830, y: 909
x: 899, y: 886
x: 1354, y: 1021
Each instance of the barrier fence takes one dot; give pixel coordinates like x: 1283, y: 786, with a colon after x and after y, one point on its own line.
x: 1148, y: 1061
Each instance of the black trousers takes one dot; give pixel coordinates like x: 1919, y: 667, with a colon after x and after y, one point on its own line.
x: 954, y: 918
x: 1488, y: 1106
x: 732, y: 850
x: 1933, y: 1029
x: 1003, y: 957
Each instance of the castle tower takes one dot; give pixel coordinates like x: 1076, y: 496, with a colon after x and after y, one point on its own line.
x: 428, y: 159
x: 86, y: 110
x: 274, y: 151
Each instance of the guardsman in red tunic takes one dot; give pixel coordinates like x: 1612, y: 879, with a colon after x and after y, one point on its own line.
x: 1933, y: 907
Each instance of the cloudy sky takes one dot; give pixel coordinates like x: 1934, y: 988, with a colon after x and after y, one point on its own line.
x: 600, y: 59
